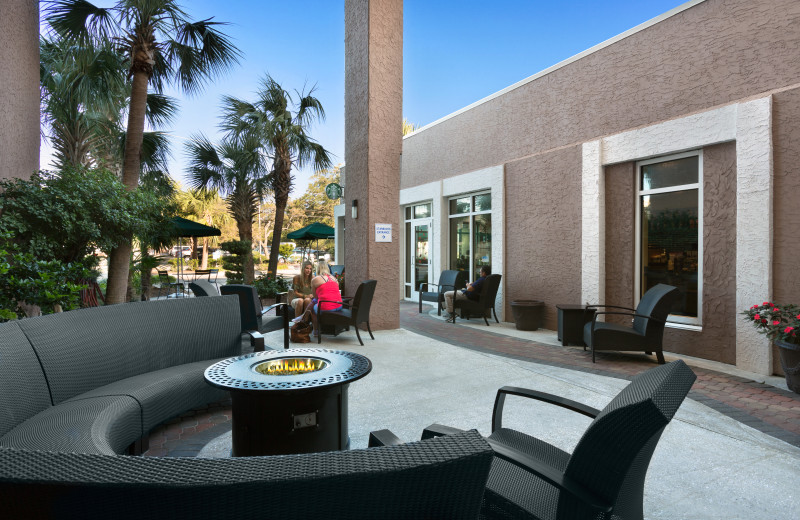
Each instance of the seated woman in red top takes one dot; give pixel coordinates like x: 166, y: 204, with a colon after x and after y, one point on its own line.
x: 326, y: 294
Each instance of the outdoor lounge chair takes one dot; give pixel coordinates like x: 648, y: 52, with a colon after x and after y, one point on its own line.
x: 645, y: 334
x: 352, y: 312
x: 604, y: 476
x: 483, y: 305
x: 450, y: 280
x: 253, y: 314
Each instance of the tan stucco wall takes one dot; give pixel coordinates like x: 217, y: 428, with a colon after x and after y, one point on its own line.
x: 786, y: 187
x: 19, y: 88
x: 542, y: 230
x: 711, y: 54
x: 373, y: 141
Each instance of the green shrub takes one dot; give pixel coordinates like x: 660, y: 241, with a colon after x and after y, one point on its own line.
x: 234, y: 264
x: 269, y: 286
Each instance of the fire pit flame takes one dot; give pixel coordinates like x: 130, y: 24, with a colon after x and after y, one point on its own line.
x: 290, y: 366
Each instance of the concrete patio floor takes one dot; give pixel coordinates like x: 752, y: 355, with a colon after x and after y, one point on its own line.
x: 708, y: 464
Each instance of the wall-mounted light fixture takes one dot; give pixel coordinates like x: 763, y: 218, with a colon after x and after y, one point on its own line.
x: 354, y: 209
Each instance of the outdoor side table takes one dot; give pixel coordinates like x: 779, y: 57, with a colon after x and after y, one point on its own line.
x: 571, y: 319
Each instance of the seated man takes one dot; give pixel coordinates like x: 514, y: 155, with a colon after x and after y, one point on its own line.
x: 472, y: 292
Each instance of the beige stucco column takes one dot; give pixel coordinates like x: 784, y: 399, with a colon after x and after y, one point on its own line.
x: 19, y: 88
x: 373, y: 143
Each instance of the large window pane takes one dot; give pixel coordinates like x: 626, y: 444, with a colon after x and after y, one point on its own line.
x: 408, y: 248
x: 483, y: 202
x: 420, y: 255
x: 459, y: 244
x: 676, y: 172
x: 461, y: 205
x: 670, y: 239
x: 482, y: 236
x: 422, y: 211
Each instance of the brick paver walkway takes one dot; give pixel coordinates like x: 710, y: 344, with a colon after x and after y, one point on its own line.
x: 771, y: 410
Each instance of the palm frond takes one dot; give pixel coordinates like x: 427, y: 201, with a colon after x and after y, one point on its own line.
x: 161, y: 109
x: 80, y: 20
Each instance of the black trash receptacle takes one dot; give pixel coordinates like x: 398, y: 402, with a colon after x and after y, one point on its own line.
x: 528, y: 314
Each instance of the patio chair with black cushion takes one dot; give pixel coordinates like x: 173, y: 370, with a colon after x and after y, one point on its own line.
x: 603, y: 477
x: 165, y: 284
x: 645, y: 334
x: 484, y: 305
x: 448, y: 281
x: 253, y: 314
x: 353, y: 311
x: 203, y: 288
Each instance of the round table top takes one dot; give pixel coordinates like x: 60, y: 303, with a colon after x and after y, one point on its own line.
x: 239, y: 373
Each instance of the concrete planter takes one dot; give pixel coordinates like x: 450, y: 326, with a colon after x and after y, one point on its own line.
x: 790, y: 362
x: 528, y: 314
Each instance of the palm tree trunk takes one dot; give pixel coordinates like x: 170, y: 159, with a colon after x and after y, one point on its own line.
x: 120, y: 258
x: 118, y: 266
x: 204, y: 263
x: 246, y: 233
x: 274, y: 252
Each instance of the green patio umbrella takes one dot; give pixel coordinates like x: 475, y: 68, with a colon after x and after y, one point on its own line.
x: 313, y: 231
x: 189, y: 228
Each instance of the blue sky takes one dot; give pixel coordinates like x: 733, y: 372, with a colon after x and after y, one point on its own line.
x: 454, y: 53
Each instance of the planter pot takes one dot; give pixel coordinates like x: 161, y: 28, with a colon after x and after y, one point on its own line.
x: 527, y: 314
x: 790, y: 362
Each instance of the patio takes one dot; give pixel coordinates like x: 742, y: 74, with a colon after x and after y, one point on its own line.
x: 418, y: 379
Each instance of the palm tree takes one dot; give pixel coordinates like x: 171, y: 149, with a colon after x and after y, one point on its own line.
x: 283, y: 135
x: 202, y: 205
x: 163, y: 46
x: 237, y: 169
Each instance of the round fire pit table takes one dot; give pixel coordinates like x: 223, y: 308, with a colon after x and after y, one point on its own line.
x: 289, y: 401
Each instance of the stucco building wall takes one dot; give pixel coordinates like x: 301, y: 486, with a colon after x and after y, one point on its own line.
x: 719, y: 76
x: 19, y: 88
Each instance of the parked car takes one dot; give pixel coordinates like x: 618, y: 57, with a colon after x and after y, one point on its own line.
x: 186, y: 251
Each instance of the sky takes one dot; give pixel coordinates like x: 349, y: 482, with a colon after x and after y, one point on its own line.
x: 454, y: 54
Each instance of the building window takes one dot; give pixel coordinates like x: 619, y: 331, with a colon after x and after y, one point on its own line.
x: 470, y: 232
x: 418, y: 225
x: 669, y: 229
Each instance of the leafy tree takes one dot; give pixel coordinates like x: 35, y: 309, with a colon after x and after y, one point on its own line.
x: 315, y: 204
x: 164, y: 46
x: 205, y: 206
x: 67, y: 215
x: 408, y: 127
x: 280, y: 122
x: 286, y: 250
x: 237, y: 169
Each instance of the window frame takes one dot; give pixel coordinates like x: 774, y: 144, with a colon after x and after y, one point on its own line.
x: 471, y: 216
x: 672, y: 320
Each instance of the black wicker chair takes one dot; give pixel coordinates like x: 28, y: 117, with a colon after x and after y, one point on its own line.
x: 352, y: 312
x: 604, y: 476
x: 253, y: 314
x: 482, y: 306
x: 646, y: 334
x: 450, y: 280
x: 203, y: 288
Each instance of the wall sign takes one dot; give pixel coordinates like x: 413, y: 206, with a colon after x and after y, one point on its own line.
x: 383, y: 232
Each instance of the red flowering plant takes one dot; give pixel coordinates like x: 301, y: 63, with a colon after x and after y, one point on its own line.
x: 778, y: 322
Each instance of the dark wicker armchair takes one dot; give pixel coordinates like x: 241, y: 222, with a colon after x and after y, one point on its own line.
x: 352, y: 312
x: 252, y: 312
x: 450, y: 280
x: 603, y: 478
x: 646, y: 333
x: 483, y: 306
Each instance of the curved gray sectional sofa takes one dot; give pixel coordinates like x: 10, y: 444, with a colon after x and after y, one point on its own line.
x: 78, y: 389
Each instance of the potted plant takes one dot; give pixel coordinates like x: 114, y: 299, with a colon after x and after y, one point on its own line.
x: 781, y: 324
x: 269, y: 286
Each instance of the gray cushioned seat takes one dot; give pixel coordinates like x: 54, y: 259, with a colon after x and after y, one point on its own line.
x: 23, y: 388
x: 164, y: 393
x: 101, y: 425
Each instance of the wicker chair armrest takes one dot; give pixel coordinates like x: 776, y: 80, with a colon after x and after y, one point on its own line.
x: 438, y: 430
x: 597, y: 305
x: 631, y: 314
x: 275, y: 306
x: 551, y: 475
x: 383, y: 438
x: 563, y: 402
x: 256, y: 340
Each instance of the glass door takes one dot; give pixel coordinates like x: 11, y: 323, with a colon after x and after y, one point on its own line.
x: 420, y: 255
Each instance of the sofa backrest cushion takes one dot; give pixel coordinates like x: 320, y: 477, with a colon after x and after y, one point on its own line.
x: 23, y: 388
x: 83, y: 349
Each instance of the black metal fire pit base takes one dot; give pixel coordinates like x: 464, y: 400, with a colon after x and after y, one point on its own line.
x: 277, y: 412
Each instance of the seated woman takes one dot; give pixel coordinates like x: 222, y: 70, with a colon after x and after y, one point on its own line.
x: 301, y: 287
x: 326, y: 294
